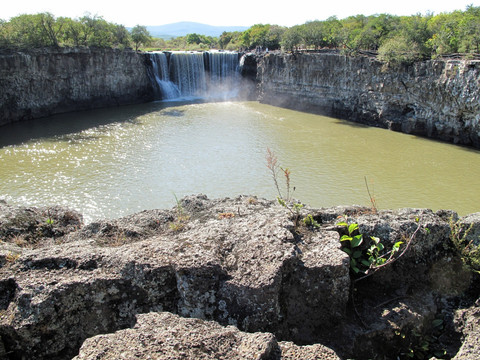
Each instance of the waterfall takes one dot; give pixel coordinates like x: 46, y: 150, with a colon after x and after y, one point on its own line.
x: 223, y: 71
x: 222, y: 65
x: 193, y: 74
x: 158, y: 73
x: 187, y: 71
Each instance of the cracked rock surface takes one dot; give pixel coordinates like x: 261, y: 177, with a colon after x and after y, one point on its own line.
x: 224, y: 278
x: 168, y: 336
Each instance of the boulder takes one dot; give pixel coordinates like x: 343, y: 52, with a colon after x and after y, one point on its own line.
x: 162, y: 336
x: 468, y: 322
x: 244, y: 269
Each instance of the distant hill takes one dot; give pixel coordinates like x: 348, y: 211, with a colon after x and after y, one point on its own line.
x: 183, y: 28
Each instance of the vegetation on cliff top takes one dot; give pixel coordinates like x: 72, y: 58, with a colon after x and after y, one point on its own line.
x: 44, y: 30
x: 393, y: 38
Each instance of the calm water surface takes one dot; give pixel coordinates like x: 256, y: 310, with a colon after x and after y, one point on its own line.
x: 113, y: 162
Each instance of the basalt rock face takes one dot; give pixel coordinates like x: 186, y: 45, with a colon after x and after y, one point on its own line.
x: 180, y: 338
x: 40, y: 83
x: 438, y: 99
x: 187, y: 282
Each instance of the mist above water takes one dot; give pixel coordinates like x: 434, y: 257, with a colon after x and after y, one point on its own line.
x: 189, y: 75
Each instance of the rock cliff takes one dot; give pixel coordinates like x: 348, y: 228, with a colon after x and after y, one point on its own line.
x: 229, y: 278
x: 438, y: 98
x: 40, y: 83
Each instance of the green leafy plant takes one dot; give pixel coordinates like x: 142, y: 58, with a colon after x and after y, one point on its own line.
x: 181, y: 217
x: 416, y: 344
x: 284, y: 198
x: 310, y: 221
x: 367, y: 255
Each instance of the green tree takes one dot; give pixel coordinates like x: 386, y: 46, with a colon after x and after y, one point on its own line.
x: 274, y: 37
x: 469, y: 30
x: 315, y: 34
x: 225, y: 39
x: 193, y: 39
x: 415, y: 29
x: 255, y: 36
x: 349, y: 31
x: 4, y: 34
x: 51, y: 29
x: 333, y: 32
x: 88, y: 29
x: 399, y: 50
x: 121, y: 36
x: 230, y: 40
x: 292, y: 38
x: 26, y: 31
x: 377, y: 29
x: 74, y: 33
x: 99, y: 31
x: 140, y: 36
x: 445, y: 34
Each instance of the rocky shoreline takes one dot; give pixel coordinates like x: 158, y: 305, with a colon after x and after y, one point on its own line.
x: 232, y: 278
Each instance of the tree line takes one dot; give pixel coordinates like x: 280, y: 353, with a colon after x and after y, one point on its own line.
x: 393, y: 38
x: 44, y: 30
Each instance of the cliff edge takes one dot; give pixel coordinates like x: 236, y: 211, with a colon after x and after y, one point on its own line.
x: 40, y: 83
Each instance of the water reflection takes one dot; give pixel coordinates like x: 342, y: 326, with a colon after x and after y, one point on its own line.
x: 72, y: 124
x: 111, y: 162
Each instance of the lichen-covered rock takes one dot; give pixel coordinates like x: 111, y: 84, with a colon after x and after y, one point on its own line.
x: 23, y: 227
x: 468, y: 322
x: 163, y: 336
x: 471, y: 225
x: 240, y: 262
x: 247, y: 270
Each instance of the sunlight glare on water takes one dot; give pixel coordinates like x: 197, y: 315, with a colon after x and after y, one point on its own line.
x: 113, y: 162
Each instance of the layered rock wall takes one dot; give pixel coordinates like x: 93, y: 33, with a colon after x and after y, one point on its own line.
x: 438, y: 99
x: 38, y: 83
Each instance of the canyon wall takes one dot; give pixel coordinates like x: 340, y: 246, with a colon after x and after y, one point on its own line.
x: 438, y: 98
x: 40, y: 83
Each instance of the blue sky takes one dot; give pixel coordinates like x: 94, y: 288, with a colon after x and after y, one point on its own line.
x: 221, y: 12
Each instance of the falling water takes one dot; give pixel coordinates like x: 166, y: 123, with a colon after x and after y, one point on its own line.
x: 223, y: 70
x: 187, y: 71
x: 163, y: 87
x: 187, y: 74
x: 222, y: 65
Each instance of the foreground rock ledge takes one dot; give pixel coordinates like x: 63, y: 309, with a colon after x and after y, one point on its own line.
x: 239, y: 262
x: 168, y: 336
